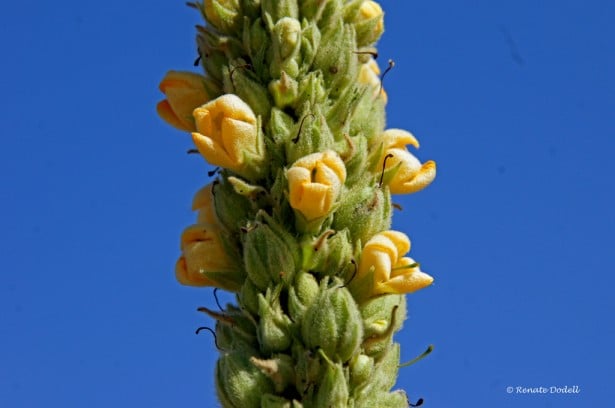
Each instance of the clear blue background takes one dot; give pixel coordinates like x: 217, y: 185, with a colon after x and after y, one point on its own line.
x: 514, y: 100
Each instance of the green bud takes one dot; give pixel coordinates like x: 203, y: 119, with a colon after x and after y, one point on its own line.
x: 328, y: 254
x: 279, y: 9
x: 281, y: 126
x: 284, y: 90
x: 270, y: 253
x: 368, y: 115
x: 333, y: 323
x: 248, y: 296
x: 224, y: 15
x: 243, y: 82
x: 383, y: 378
x: 239, y: 383
x: 310, y: 41
x: 312, y: 134
x: 257, y: 42
x: 280, y: 370
x: 382, y: 317
x: 234, y: 330
x: 232, y: 209
x: 301, y: 295
x: 286, y: 42
x: 381, y: 399
x: 312, y: 92
x: 336, y: 59
x: 274, y: 330
x: 365, y: 211
x: 361, y: 368
x: 333, y: 388
x: 355, y: 158
x: 307, y: 370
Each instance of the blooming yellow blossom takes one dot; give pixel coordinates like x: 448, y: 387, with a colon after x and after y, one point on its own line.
x: 369, y: 74
x: 228, y: 135
x: 203, y: 261
x: 184, y: 91
x: 315, y: 182
x: 392, y: 272
x: 409, y: 174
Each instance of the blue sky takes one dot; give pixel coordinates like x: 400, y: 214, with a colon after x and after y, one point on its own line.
x: 514, y: 100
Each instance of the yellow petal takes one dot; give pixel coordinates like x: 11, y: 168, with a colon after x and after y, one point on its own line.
x: 399, y: 138
x: 406, y: 283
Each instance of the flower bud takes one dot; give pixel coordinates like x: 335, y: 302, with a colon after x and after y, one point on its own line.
x: 361, y: 368
x: 310, y: 41
x: 280, y: 370
x: 365, y: 211
x: 383, y: 267
x: 248, y: 297
x: 369, y: 23
x: 333, y: 323
x: 224, y: 15
x: 286, y: 38
x: 279, y: 9
x: 404, y: 173
x: 270, y: 254
x: 382, y: 317
x: 232, y: 209
x: 301, y: 295
x: 273, y: 401
x: 274, y: 326
x: 333, y: 388
x: 205, y: 260
x: 284, y: 90
x: 185, y: 91
x: 328, y: 254
x: 239, y: 383
x: 228, y: 135
x: 315, y: 182
x: 311, y: 134
x: 336, y: 59
x: 384, y: 376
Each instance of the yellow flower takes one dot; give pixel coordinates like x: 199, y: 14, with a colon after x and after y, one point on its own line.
x: 228, y: 135
x: 392, y: 272
x: 203, y: 261
x: 315, y: 182
x: 409, y: 175
x: 184, y: 91
x: 369, y: 74
x: 203, y: 202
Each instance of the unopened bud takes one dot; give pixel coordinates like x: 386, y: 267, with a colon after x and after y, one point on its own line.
x: 224, y: 15
x: 239, y: 383
x: 365, y: 211
x: 301, y: 295
x: 333, y: 323
x: 270, y: 253
x: 274, y: 328
x: 333, y: 387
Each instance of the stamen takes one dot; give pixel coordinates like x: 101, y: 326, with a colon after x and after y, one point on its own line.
x: 386, y: 71
x: 397, y: 206
x: 296, y: 139
x: 248, y: 66
x: 214, y: 171
x: 212, y: 332
x: 192, y: 151
x: 419, y: 358
x: 384, y: 165
x: 216, y: 297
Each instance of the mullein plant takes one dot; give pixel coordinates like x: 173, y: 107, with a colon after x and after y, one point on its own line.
x: 296, y: 222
